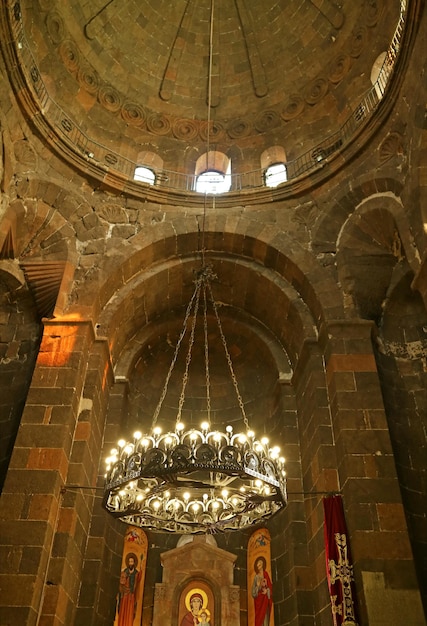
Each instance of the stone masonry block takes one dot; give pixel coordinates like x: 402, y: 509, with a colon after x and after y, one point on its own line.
x: 49, y: 458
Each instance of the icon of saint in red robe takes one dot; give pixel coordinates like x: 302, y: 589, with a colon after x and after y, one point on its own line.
x: 262, y: 593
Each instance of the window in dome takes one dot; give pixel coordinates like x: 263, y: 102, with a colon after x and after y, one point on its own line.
x: 213, y: 182
x: 273, y: 164
x: 213, y: 173
x: 275, y: 174
x: 144, y: 175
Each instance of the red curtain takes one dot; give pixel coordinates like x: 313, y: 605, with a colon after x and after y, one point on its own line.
x: 339, y: 565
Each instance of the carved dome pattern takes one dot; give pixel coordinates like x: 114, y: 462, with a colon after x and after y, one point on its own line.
x: 140, y: 69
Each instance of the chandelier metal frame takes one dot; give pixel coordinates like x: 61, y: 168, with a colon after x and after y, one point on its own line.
x: 195, y: 480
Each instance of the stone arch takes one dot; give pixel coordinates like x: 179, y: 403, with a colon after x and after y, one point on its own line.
x: 272, y: 155
x: 139, y: 303
x: 129, y: 355
x: 329, y: 223
x: 368, y: 250
x: 212, y: 160
x: 43, y: 234
x: 270, y: 249
x: 43, y: 242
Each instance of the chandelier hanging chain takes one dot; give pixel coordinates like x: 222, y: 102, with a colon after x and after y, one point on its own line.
x: 175, y: 356
x: 208, y: 123
x: 189, y: 351
x: 228, y: 357
x: 210, y: 79
x: 205, y: 331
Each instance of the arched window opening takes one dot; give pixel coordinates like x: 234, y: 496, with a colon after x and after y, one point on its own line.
x: 148, y: 168
x: 273, y: 162
x: 213, y: 173
x: 275, y: 174
x: 213, y: 182
x: 144, y: 175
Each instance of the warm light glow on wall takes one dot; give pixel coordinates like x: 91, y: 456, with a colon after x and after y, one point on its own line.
x: 57, y: 345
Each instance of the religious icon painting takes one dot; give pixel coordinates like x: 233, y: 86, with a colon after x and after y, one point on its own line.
x: 260, y: 586
x: 132, y: 578
x: 196, y: 605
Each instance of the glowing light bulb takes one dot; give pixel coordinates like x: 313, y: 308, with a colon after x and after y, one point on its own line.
x: 215, y: 505
x: 137, y: 435
x: 139, y: 497
x: 157, y: 431
x: 121, y: 443
x: 242, y: 438
x: 224, y: 493
x: 179, y: 427
x: 129, y: 449
x: 229, y: 429
x: 156, y: 505
x: 204, y: 426
x: 195, y: 507
x: 186, y: 496
x: 251, y: 434
x: 145, y: 443
x: 264, y: 441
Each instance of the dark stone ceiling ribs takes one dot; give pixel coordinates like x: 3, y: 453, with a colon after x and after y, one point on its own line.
x: 284, y: 72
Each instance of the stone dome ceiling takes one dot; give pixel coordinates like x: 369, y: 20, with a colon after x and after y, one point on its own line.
x: 133, y: 74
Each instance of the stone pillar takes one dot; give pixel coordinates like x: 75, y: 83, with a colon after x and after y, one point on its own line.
x: 102, y: 563
x: 291, y: 570
x: 385, y: 577
x: 42, y: 530
x: 319, y: 476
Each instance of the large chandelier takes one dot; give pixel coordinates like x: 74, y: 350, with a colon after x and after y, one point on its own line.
x: 195, y: 479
